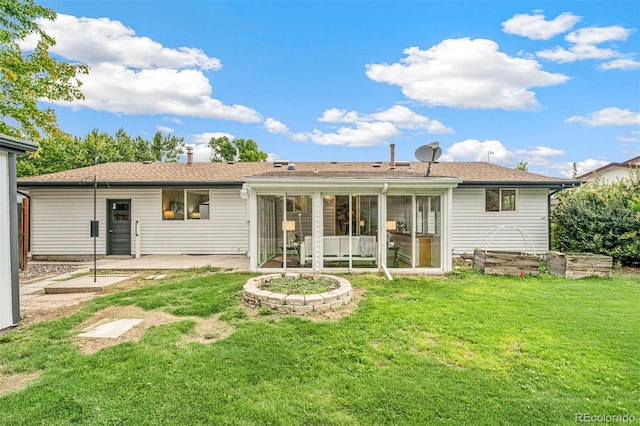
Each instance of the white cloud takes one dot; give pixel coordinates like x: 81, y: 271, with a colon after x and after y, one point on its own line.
x: 273, y: 156
x: 119, y: 90
x: 629, y: 139
x: 279, y: 128
x: 566, y: 168
x: 363, y: 134
x: 607, y: 117
x: 495, y: 152
x: 537, y: 28
x: 201, y: 150
x: 364, y: 130
x: 620, y: 64
x: 539, y: 156
x: 598, y: 35
x: 207, y: 136
x: 584, y: 41
x: 578, y: 52
x: 466, y: 73
x: 130, y: 74
x: 99, y: 40
x: 474, y: 150
x: 400, y: 116
x: 165, y: 129
x: 201, y: 153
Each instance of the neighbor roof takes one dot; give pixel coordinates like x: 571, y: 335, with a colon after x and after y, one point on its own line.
x: 233, y: 174
x: 633, y: 163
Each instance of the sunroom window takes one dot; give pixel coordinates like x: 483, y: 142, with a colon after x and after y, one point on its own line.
x: 185, y: 204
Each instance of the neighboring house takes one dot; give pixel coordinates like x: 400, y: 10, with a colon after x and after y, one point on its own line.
x: 612, y: 171
x: 304, y: 216
x: 10, y: 148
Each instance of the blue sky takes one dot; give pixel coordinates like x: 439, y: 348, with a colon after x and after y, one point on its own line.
x: 547, y: 82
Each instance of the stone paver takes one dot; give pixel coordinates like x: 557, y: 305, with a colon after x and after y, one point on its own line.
x: 86, y: 284
x: 111, y: 330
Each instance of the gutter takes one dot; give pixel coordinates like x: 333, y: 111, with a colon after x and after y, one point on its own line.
x: 168, y: 184
x: 519, y: 184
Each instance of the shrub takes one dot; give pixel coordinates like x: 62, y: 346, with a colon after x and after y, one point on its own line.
x: 600, y: 218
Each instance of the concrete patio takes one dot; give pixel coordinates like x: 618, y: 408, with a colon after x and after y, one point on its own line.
x: 159, y: 262
x: 53, y: 292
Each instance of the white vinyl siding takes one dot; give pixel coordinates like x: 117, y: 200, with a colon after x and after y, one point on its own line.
x: 60, y: 223
x: 472, y: 226
x: 613, y: 174
x: 6, y: 298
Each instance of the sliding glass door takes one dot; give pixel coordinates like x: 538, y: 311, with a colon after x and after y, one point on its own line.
x: 414, y: 229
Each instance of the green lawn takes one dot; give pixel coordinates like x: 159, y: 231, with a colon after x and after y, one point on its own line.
x: 467, y: 349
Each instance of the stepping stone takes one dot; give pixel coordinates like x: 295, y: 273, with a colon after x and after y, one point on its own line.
x: 155, y: 277
x: 112, y: 330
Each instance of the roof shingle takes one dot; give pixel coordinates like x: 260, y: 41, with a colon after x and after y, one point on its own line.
x: 221, y: 173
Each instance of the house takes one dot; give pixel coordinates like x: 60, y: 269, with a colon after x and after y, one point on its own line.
x: 612, y: 171
x: 10, y: 148
x: 312, y: 216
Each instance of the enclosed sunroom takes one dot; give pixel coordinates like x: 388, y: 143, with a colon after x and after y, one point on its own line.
x: 316, y: 222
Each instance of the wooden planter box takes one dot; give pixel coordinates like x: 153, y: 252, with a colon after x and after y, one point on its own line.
x: 506, y: 262
x: 579, y: 265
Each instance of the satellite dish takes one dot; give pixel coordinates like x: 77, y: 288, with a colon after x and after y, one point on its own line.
x: 429, y: 154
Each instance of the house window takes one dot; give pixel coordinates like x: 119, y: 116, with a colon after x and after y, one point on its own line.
x: 500, y: 200
x: 185, y: 204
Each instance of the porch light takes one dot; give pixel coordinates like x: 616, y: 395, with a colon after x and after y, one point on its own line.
x: 167, y: 214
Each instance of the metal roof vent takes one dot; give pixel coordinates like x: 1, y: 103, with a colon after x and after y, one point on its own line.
x: 291, y: 167
x: 376, y: 164
x: 280, y: 163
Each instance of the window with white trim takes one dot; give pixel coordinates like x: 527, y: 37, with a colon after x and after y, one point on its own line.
x: 185, y: 204
x: 500, y: 200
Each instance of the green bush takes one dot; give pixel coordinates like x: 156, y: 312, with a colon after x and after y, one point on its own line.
x: 600, y: 218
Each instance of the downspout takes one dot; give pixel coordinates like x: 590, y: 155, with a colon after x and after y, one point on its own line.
x: 385, y: 188
x: 13, y: 239
x: 551, y: 194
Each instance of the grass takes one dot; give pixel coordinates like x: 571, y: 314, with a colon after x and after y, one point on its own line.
x: 468, y: 349
x: 300, y: 285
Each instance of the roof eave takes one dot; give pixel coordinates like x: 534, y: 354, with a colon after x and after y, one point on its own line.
x: 134, y: 184
x: 17, y: 146
x: 521, y: 184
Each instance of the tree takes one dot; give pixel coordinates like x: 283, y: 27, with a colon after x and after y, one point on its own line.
x: 523, y: 165
x: 600, y: 218
x: 54, y: 154
x: 244, y: 150
x: 27, y: 78
x: 166, y: 147
x: 64, y: 152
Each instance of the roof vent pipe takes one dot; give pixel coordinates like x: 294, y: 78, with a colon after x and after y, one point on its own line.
x: 393, y: 155
x: 189, y: 156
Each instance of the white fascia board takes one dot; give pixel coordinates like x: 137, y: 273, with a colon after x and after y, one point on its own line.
x: 258, y: 184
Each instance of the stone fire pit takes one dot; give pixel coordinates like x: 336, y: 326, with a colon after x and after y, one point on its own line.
x: 297, y: 303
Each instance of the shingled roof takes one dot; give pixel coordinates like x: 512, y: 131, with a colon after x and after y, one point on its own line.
x: 225, y: 174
